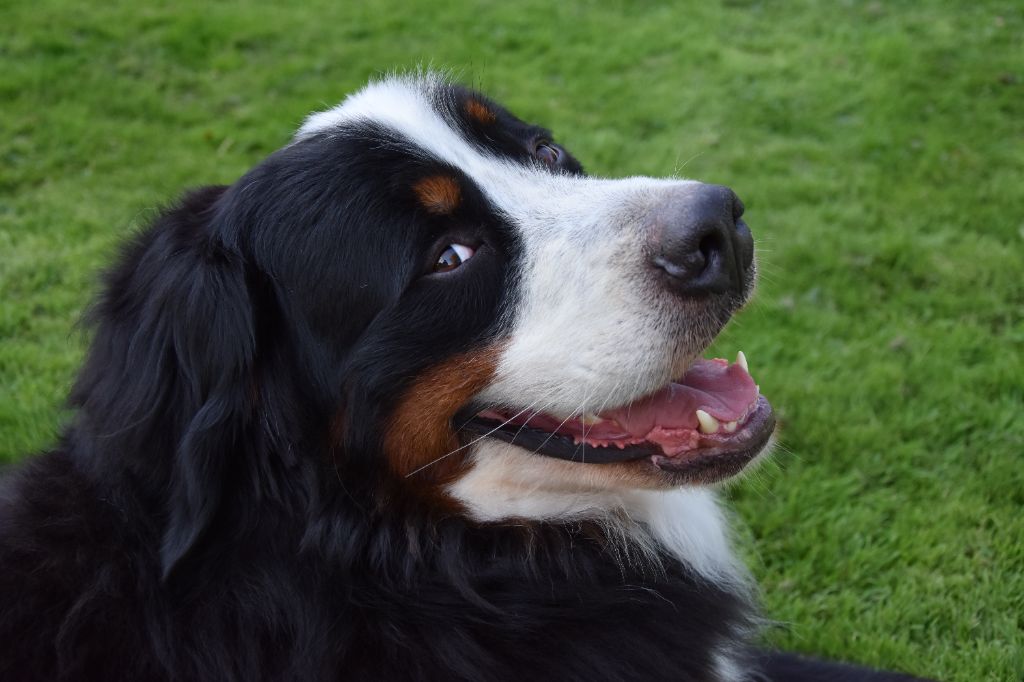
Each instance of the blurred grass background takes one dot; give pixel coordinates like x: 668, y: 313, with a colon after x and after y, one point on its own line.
x: 879, y: 148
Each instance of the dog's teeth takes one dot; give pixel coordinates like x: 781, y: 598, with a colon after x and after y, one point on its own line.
x: 708, y: 424
x: 591, y: 419
x: 730, y: 427
x: 741, y: 360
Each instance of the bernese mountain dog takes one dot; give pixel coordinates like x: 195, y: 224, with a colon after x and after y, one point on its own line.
x: 414, y: 399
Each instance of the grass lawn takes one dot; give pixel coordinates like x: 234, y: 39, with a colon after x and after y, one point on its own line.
x: 879, y: 148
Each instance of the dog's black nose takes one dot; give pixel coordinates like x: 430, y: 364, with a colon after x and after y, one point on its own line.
x: 699, y: 242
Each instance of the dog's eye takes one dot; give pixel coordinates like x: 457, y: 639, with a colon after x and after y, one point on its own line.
x: 548, y: 152
x: 452, y: 257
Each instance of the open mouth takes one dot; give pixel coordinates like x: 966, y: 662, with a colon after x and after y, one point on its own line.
x: 711, y: 422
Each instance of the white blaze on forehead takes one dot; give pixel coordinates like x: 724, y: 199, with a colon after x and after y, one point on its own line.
x: 402, y: 104
x: 589, y: 331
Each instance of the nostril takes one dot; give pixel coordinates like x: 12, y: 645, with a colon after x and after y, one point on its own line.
x: 709, y: 245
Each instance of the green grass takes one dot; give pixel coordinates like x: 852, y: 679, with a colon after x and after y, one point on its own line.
x: 879, y: 149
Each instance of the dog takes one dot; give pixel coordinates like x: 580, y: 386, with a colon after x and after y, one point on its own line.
x: 414, y: 399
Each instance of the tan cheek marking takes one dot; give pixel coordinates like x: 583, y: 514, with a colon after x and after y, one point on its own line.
x: 438, y: 194
x: 480, y: 112
x: 420, y: 432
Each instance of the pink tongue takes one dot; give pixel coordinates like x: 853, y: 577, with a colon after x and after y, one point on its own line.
x: 722, y: 390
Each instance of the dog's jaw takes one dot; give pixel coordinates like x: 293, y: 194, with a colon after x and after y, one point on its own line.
x: 505, y: 484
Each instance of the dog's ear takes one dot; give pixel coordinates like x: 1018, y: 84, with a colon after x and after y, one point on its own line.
x: 170, y: 372
x: 214, y: 349
x: 210, y: 319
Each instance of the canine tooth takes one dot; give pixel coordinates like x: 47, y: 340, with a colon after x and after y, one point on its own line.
x: 708, y: 424
x: 730, y: 427
x: 591, y: 419
x: 741, y: 360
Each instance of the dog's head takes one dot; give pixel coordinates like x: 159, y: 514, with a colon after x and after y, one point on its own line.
x: 423, y: 289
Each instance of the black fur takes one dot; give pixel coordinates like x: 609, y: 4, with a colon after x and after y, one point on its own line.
x: 219, y: 508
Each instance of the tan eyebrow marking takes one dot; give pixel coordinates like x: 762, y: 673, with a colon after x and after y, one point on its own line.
x: 438, y: 194
x: 480, y: 112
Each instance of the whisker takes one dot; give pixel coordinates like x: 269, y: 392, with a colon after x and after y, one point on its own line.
x: 600, y: 409
x: 583, y: 413
x: 475, y: 440
x: 536, y: 412
x: 571, y: 414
